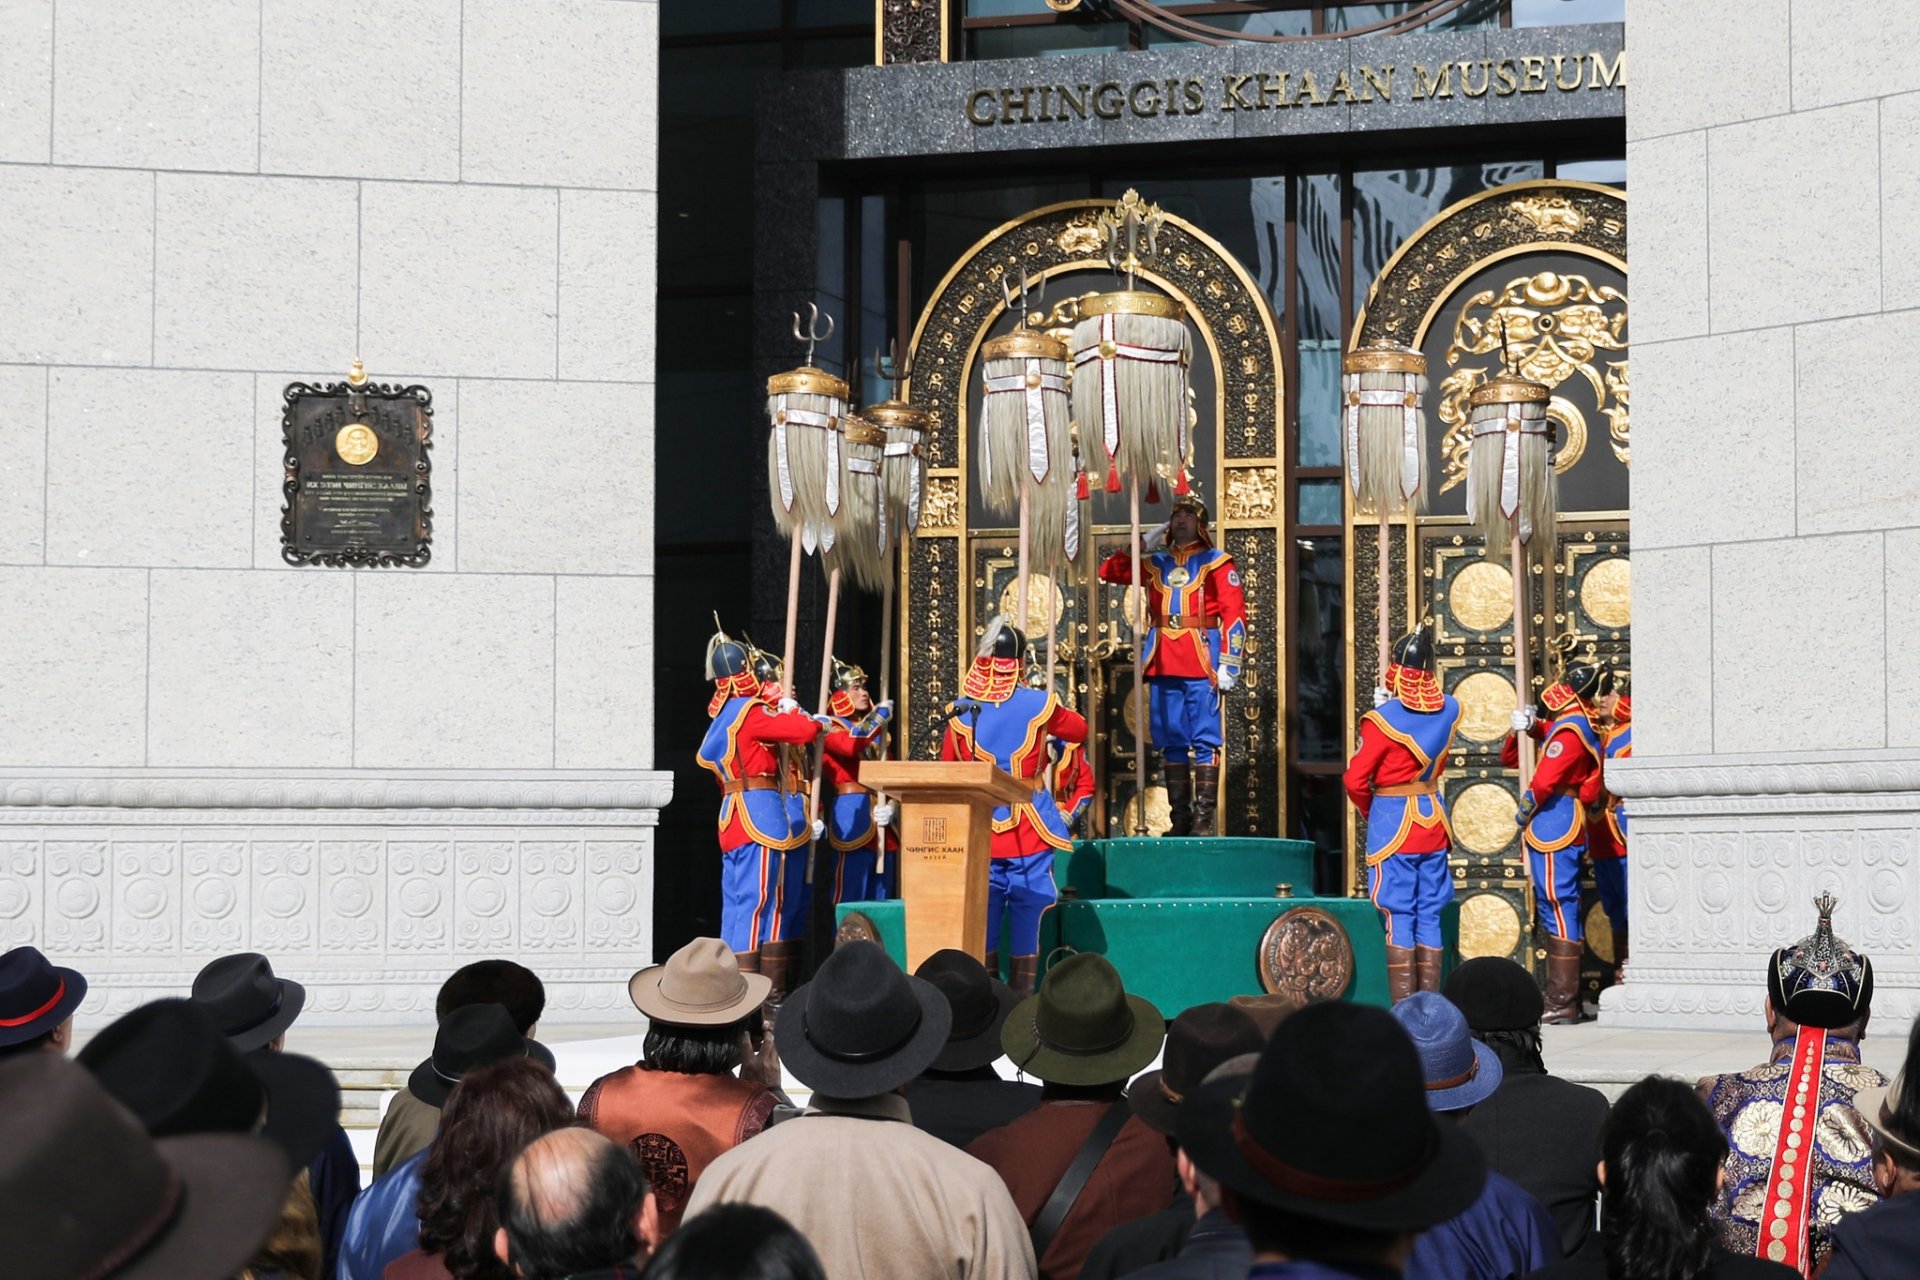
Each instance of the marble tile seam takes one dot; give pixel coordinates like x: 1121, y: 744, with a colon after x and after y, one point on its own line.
x: 414, y: 375
x: 1874, y: 314
x: 337, y: 177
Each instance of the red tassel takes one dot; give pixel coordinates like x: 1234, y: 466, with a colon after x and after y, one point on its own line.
x: 1081, y: 487
x: 1113, y: 479
x: 1153, y: 493
x: 1180, y: 488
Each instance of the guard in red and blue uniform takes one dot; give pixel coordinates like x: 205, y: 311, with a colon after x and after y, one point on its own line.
x: 1607, y: 825
x: 1394, y: 779
x: 1566, y: 782
x: 763, y: 814
x: 1195, y: 642
x: 1072, y: 782
x: 1000, y: 718
x: 856, y: 730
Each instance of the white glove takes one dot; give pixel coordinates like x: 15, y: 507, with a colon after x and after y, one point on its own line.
x: 883, y: 815
x: 786, y: 705
x: 884, y: 709
x: 1153, y: 537
x: 1521, y: 721
x: 1381, y: 697
x: 1223, y: 680
x: 819, y: 828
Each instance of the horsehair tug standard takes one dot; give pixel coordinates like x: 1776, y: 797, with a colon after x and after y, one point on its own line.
x: 1385, y: 439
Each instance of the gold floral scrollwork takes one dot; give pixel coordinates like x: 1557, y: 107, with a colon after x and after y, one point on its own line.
x: 1082, y: 234
x: 940, y: 505
x: 1551, y: 327
x: 1253, y: 493
x: 1550, y: 215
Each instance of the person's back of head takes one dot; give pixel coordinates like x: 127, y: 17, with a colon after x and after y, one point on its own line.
x: 572, y: 1202
x: 737, y: 1242
x: 1662, y: 1153
x: 697, y: 1051
x: 495, y: 982
x: 1892, y: 1114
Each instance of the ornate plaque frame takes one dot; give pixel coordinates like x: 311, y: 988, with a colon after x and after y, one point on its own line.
x: 374, y: 441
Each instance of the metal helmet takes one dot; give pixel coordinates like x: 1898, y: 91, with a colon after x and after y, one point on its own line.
x: 1588, y: 678
x: 1191, y: 501
x: 725, y: 655
x: 767, y: 667
x: 1002, y: 640
x: 1415, y: 649
x: 846, y: 675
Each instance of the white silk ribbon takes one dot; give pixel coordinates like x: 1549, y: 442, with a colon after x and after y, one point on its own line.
x: 1410, y: 460
x: 1034, y: 383
x: 1512, y: 426
x: 1109, y: 376
x: 783, y: 418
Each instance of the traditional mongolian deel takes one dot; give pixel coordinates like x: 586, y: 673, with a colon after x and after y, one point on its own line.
x: 1607, y: 824
x: 1072, y: 781
x: 1394, y: 779
x: 855, y: 730
x: 1195, y: 642
x: 999, y: 718
x: 1798, y: 1157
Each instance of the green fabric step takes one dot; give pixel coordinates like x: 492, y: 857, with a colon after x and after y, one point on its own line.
x: 1187, y: 867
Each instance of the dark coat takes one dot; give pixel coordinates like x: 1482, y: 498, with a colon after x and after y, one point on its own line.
x: 334, y: 1177
x: 1590, y: 1265
x: 1881, y: 1243
x: 1216, y: 1249
x: 958, y: 1106
x: 1137, y: 1245
x: 1543, y: 1133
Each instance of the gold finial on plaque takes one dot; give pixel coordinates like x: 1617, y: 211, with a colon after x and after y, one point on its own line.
x: 357, y: 376
x: 1127, y: 224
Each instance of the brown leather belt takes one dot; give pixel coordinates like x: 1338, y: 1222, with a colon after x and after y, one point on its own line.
x: 1409, y: 789
x: 848, y: 789
x: 1190, y: 621
x: 755, y: 782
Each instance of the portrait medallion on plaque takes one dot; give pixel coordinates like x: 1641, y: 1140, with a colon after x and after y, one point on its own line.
x: 358, y: 477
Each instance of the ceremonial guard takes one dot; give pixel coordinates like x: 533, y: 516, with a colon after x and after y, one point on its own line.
x: 1394, y: 779
x: 1607, y: 825
x: 763, y: 810
x: 1799, y: 1154
x: 1072, y: 782
x: 999, y: 718
x: 1197, y: 629
x: 855, y: 730
x: 1553, y: 815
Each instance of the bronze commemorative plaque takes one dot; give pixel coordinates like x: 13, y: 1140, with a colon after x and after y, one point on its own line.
x: 358, y: 481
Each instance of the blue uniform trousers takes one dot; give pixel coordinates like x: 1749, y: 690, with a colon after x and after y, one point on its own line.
x: 750, y: 893
x: 1556, y: 889
x: 796, y: 895
x: 1021, y: 889
x: 1610, y: 878
x: 1409, y: 889
x: 1184, y: 717
x: 857, y: 881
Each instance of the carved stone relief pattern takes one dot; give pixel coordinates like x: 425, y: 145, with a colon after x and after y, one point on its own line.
x: 286, y: 888
x: 146, y: 897
x: 20, y: 894
x: 621, y: 890
x: 77, y: 884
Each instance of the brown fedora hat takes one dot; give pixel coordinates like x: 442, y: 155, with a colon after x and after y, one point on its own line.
x: 88, y: 1193
x: 700, y: 985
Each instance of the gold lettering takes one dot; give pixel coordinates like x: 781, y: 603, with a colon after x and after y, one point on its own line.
x: 1432, y: 86
x: 1342, y: 83
x: 1559, y: 74
x: 1536, y: 78
x: 1233, y: 99
x: 1381, y: 80
x: 1466, y: 77
x: 1196, y: 95
x: 1506, y: 73
x: 1108, y: 101
x: 1309, y: 91
x: 1008, y: 104
x: 1605, y: 77
x: 1152, y: 106
x: 1067, y: 99
x: 1045, y: 115
x: 1274, y: 86
x: 973, y: 106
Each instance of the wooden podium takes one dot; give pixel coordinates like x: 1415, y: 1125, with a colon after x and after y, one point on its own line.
x: 946, y: 831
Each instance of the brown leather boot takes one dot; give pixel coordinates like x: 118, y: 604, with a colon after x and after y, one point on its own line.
x: 1399, y: 973
x: 1620, y: 955
x: 749, y: 961
x: 1023, y: 972
x: 1426, y: 968
x: 1563, y: 981
x: 993, y: 964
x: 1206, y: 790
x: 1179, y: 798
x: 775, y: 959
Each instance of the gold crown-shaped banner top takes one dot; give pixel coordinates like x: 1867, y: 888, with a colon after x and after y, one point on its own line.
x: 1130, y: 222
x: 1506, y: 388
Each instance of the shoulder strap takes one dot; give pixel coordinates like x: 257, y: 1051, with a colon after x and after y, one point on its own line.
x: 1074, y: 1180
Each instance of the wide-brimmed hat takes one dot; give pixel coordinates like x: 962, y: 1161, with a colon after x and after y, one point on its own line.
x: 471, y: 1036
x: 168, y: 1064
x: 1267, y: 1012
x: 35, y: 995
x: 88, y: 1193
x: 1082, y: 1027
x: 1198, y: 1040
x: 246, y: 1001
x: 700, y: 985
x: 1494, y: 993
x: 1460, y: 1070
x: 1334, y: 1126
x: 980, y: 1003
x: 861, y: 1027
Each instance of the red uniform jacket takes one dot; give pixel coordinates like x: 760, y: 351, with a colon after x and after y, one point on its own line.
x: 1072, y: 778
x: 1195, y: 585
x: 753, y: 737
x: 1573, y: 769
x: 1381, y: 761
x: 1020, y: 747
x: 847, y: 743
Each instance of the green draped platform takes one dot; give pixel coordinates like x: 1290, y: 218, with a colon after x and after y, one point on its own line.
x: 1182, y: 918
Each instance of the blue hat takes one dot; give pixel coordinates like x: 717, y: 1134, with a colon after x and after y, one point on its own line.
x: 35, y: 996
x: 1459, y: 1070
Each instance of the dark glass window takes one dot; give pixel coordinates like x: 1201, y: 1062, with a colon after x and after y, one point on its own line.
x: 1319, y: 635
x: 1560, y: 13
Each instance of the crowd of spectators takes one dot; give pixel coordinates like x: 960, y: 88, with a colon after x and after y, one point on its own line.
x: 951, y: 1128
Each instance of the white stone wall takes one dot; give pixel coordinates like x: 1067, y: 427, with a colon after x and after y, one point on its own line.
x: 1775, y: 168
x: 393, y: 770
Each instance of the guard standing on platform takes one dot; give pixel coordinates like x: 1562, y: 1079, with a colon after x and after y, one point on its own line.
x: 1607, y: 825
x: 1553, y: 814
x: 1072, y: 782
x: 855, y: 730
x: 999, y: 718
x: 1195, y: 641
x: 1394, y: 779
x: 763, y: 816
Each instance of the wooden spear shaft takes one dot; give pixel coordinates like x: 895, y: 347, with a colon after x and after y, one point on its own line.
x: 1523, y: 690
x: 793, y: 610
x: 1139, y: 668
x: 886, y: 677
x: 819, y: 743
x: 1386, y: 547
x: 1020, y: 568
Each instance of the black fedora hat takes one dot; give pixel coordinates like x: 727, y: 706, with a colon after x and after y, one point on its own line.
x: 168, y: 1064
x: 1082, y: 1027
x: 980, y: 1003
x: 35, y: 996
x: 1198, y: 1040
x: 471, y: 1036
x: 861, y: 1027
x: 1495, y: 994
x: 246, y: 1001
x: 88, y: 1193
x: 1333, y: 1125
